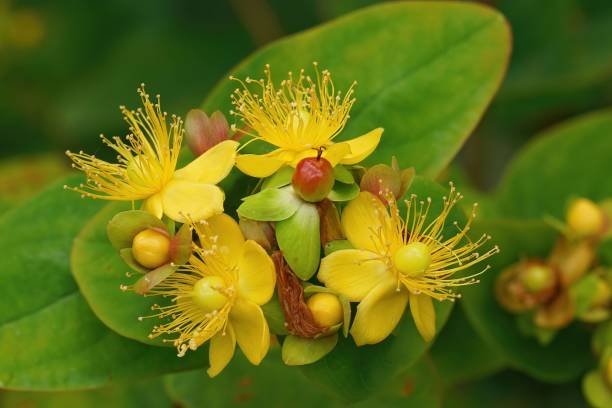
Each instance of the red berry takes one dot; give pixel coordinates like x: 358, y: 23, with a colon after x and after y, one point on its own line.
x: 313, y: 179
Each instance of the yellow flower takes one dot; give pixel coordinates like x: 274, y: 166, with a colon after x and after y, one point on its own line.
x: 218, y: 295
x: 300, y: 118
x: 146, y: 168
x: 396, y: 261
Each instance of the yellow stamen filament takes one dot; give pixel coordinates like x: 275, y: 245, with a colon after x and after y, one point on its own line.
x: 303, y: 113
x: 184, y: 317
x: 145, y: 161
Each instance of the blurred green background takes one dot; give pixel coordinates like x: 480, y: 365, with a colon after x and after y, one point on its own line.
x: 65, y: 66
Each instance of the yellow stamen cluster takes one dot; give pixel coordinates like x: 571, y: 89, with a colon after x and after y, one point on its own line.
x: 189, y: 315
x: 302, y: 112
x: 145, y: 162
x: 400, y: 238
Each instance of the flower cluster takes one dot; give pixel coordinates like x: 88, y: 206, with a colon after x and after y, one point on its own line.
x: 320, y: 239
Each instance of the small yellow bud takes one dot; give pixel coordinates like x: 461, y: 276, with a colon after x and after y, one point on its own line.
x: 151, y: 248
x: 585, y: 218
x: 207, y: 293
x: 412, y: 259
x: 326, y: 309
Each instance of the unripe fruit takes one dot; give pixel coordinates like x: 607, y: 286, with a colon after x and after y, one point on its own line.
x: 313, y: 179
x: 326, y: 309
x: 207, y: 293
x: 537, y: 277
x: 412, y: 259
x: 585, y: 218
x: 151, y: 248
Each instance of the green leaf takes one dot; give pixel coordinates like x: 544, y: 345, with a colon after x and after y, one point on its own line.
x: 279, y: 179
x: 299, y: 240
x: 596, y: 390
x: 275, y: 316
x: 271, y: 384
x: 426, y: 73
x: 343, y: 192
x: 301, y: 351
x: 272, y: 204
x: 49, y: 338
x: 569, y: 160
x: 149, y: 393
x: 518, y: 239
x: 604, y: 251
x: 100, y: 272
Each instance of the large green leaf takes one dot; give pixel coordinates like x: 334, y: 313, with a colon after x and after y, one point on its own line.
x: 143, y: 393
x: 49, y: 338
x: 499, y: 329
x: 571, y: 159
x: 426, y: 72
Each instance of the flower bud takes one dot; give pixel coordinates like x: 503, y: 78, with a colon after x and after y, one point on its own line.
x: 260, y: 232
x: 382, y: 180
x: 313, y: 179
x: 585, y: 218
x: 326, y: 309
x: 525, y: 285
x: 537, y: 277
x: 203, y: 132
x: 151, y: 248
x: 572, y: 260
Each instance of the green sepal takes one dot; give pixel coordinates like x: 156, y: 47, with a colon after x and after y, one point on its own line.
x: 343, y: 175
x: 583, y: 292
x: 301, y: 351
x: 343, y: 192
x: 299, y: 239
x: 272, y: 204
x: 170, y: 225
x: 281, y: 178
x: 336, y: 245
x: 124, y: 226
x: 597, y: 392
x: 153, y: 278
x: 180, y: 246
x: 126, y: 255
x: 274, y: 316
x: 310, y: 289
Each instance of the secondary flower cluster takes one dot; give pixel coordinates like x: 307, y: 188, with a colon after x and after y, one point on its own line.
x: 319, y: 235
x: 548, y: 294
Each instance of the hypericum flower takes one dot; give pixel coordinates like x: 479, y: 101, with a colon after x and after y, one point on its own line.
x: 218, y: 295
x: 300, y: 118
x: 397, y: 260
x: 146, y: 167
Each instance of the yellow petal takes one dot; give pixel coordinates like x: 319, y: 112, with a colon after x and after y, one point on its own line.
x: 251, y: 329
x: 153, y: 205
x: 262, y: 165
x: 221, y: 350
x: 198, y: 201
x: 424, y: 315
x: 379, y: 313
x: 362, y: 146
x: 212, y: 166
x: 353, y: 272
x: 229, y: 236
x: 362, y: 220
x: 334, y: 153
x: 256, y: 274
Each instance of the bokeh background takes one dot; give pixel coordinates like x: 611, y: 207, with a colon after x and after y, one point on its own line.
x: 66, y: 65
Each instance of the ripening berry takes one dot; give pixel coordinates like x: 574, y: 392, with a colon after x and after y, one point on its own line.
x: 313, y: 179
x: 326, y: 309
x: 151, y: 248
x: 537, y: 277
x: 585, y: 218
